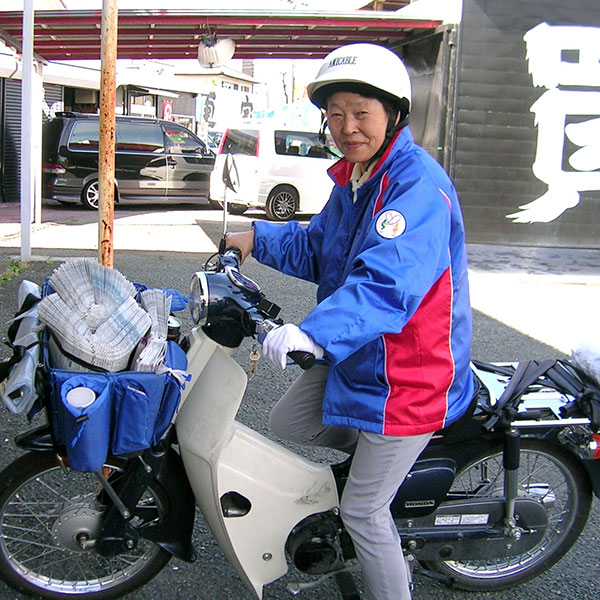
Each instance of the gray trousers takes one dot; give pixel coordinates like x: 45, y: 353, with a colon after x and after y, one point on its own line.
x: 379, y: 466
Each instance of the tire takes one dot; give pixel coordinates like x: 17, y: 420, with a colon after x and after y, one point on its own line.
x: 550, y: 475
x: 236, y: 209
x: 42, y: 508
x: 232, y: 209
x: 90, y: 195
x: 282, y: 203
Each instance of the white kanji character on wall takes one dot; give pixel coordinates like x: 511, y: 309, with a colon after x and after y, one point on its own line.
x: 560, y: 57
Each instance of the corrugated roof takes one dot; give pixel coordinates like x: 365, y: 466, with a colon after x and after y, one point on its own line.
x: 175, y: 34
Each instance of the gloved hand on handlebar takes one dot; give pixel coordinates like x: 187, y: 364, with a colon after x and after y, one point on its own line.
x: 278, y: 342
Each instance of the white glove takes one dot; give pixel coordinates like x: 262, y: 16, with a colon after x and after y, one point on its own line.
x: 278, y: 342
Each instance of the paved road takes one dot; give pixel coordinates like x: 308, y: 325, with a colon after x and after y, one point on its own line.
x: 576, y: 577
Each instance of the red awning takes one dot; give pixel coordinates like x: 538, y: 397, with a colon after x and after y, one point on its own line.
x: 175, y: 34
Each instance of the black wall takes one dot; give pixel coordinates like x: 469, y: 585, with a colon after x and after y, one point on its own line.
x: 10, y: 140
x: 494, y: 133
x: 10, y: 134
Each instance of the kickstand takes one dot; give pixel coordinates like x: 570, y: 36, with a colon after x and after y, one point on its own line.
x: 346, y: 585
x: 422, y: 571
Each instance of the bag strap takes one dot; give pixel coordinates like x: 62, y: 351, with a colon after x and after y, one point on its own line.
x: 17, y: 351
x: 526, y: 374
x: 574, y: 381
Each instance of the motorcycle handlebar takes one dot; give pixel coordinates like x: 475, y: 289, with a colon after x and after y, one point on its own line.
x: 305, y: 360
x: 231, y: 257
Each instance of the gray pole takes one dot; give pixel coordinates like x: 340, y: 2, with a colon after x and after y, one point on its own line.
x: 28, y: 107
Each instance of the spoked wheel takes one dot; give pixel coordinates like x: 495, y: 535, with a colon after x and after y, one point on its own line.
x: 547, y: 474
x: 282, y: 203
x: 90, y: 196
x: 49, y: 517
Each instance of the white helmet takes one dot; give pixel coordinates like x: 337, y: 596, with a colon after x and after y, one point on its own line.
x: 365, y: 66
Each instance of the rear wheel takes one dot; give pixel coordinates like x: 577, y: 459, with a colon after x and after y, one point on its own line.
x: 282, y: 203
x: 547, y: 474
x: 47, y: 511
x: 90, y: 195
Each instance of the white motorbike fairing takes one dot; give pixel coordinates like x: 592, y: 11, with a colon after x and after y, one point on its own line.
x: 251, y: 491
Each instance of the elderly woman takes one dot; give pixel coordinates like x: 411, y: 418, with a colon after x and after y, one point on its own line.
x: 392, y: 321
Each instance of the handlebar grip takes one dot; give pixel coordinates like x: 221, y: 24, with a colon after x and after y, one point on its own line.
x: 235, y: 251
x: 305, y: 360
x: 231, y: 257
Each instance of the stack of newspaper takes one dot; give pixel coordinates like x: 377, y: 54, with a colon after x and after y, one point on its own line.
x: 151, y: 350
x: 93, y: 315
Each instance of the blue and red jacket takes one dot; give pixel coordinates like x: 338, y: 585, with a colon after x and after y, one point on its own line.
x: 393, y: 311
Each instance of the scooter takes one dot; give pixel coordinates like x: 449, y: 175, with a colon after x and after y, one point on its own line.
x: 494, y: 500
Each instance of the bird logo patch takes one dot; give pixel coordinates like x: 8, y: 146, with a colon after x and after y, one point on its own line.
x: 390, y: 224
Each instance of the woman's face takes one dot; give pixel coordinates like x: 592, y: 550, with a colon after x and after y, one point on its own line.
x: 357, y: 124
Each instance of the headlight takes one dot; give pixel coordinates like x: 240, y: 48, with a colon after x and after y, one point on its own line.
x: 198, y: 298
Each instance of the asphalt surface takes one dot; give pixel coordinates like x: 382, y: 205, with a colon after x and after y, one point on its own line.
x: 521, y: 297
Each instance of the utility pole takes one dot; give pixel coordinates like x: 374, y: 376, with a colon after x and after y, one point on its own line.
x: 106, y: 149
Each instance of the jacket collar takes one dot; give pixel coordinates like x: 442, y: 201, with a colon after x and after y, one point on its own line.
x: 341, y: 171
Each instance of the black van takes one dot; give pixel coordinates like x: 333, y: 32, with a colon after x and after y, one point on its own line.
x: 154, y: 160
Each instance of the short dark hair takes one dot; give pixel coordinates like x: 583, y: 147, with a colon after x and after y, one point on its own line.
x: 391, y: 104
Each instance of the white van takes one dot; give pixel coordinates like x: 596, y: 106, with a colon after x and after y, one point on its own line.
x: 281, y: 171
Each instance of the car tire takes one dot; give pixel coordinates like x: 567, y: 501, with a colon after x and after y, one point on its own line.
x: 282, y: 203
x: 236, y: 209
x: 90, y: 195
x: 232, y: 209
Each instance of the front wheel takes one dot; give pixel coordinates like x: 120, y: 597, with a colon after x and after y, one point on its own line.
x: 282, y: 203
x: 547, y: 474
x: 46, y: 511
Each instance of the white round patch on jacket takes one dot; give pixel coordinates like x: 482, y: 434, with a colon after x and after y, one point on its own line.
x: 390, y: 224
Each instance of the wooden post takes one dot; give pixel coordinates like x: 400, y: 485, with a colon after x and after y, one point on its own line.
x: 106, y: 151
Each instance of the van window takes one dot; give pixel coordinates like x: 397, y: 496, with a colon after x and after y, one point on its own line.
x: 131, y: 137
x: 300, y: 143
x: 50, y: 136
x: 180, y: 140
x: 139, y: 137
x: 240, y: 141
x: 84, y: 136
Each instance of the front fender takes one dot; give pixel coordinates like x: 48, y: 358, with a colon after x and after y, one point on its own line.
x: 38, y: 439
x: 174, y: 532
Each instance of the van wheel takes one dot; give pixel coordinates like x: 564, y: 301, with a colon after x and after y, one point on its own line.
x: 236, y: 209
x: 232, y: 209
x: 282, y: 203
x: 91, y: 195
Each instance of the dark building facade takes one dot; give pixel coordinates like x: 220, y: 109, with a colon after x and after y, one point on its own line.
x: 509, y: 102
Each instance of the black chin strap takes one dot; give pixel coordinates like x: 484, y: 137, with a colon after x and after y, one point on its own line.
x: 391, y: 131
x: 322, y: 137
